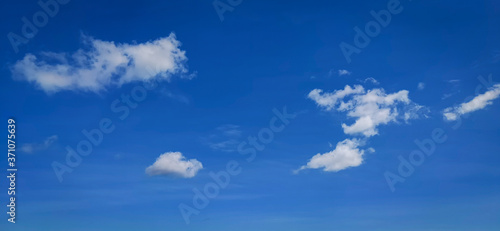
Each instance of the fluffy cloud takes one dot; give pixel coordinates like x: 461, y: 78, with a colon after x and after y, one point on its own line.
x: 477, y: 103
x: 369, y: 108
x: 102, y: 64
x: 34, y: 147
x: 346, y: 154
x: 174, y: 164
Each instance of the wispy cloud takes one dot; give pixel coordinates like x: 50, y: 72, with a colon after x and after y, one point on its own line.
x: 230, y: 130
x: 344, y: 72
x: 495, y: 56
x: 371, y: 80
x: 225, y: 138
x: 455, y: 88
x: 102, y: 64
x: 174, y: 164
x: 421, y: 86
x: 477, y: 103
x: 176, y: 96
x: 35, y: 147
x: 447, y: 95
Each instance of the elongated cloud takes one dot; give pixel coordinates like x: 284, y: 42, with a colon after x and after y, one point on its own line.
x: 346, y: 154
x: 174, y: 164
x: 102, y: 64
x: 477, y: 103
x: 369, y: 108
x: 35, y: 147
x: 344, y: 72
x: 329, y: 100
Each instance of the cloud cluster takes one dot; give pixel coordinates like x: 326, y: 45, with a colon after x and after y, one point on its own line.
x: 369, y: 108
x: 477, y: 103
x: 174, y: 164
x: 34, y: 147
x: 102, y: 64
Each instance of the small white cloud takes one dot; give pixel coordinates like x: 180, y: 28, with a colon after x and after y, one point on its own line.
x: 447, y: 95
x: 369, y: 108
x: 421, y: 86
x: 344, y: 72
x: 102, y: 64
x: 329, y: 100
x: 34, y: 147
x: 346, y: 154
x: 477, y: 103
x: 174, y: 164
x: 371, y: 80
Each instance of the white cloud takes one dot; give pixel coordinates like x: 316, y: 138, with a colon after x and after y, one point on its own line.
x: 477, y: 103
x: 329, y: 100
x: 344, y: 72
x: 369, y: 108
x: 34, y: 147
x: 346, y: 154
x: 371, y: 80
x: 102, y: 64
x: 421, y: 86
x: 447, y: 95
x: 175, y: 164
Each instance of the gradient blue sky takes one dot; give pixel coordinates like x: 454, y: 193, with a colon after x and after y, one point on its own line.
x: 264, y: 55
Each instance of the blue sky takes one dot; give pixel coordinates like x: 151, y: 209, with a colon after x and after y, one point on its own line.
x: 219, y: 83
